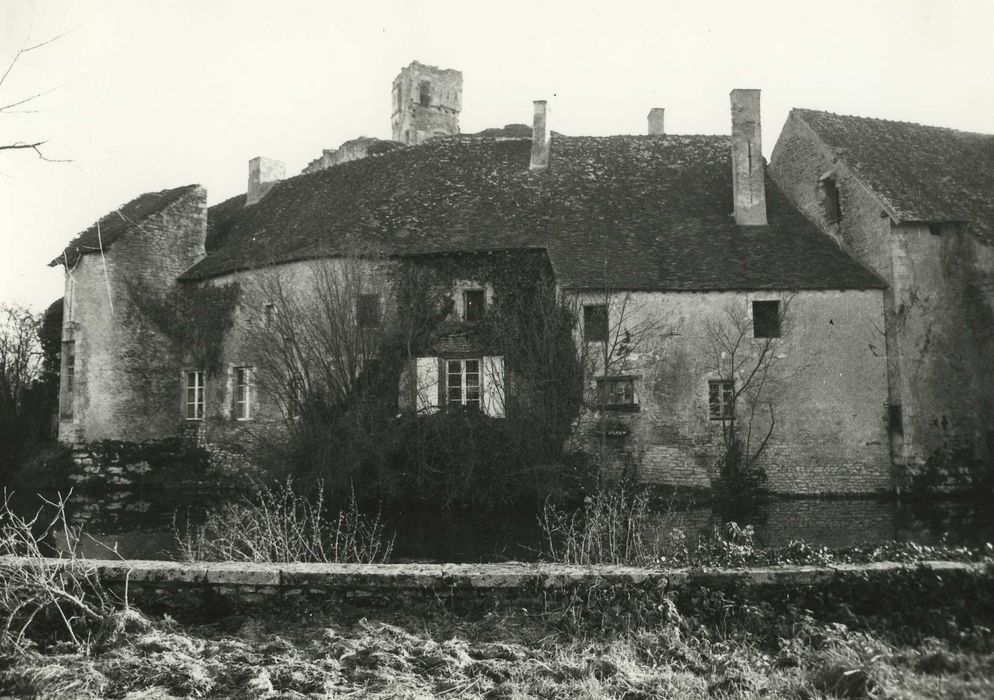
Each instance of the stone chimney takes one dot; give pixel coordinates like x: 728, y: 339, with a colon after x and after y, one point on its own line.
x: 748, y: 176
x: 656, y: 121
x: 540, y: 136
x: 263, y: 174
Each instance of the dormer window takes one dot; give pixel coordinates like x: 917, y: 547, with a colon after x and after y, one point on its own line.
x: 474, y: 302
x: 830, y: 202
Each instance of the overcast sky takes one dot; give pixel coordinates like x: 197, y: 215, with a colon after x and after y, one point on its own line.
x: 156, y: 94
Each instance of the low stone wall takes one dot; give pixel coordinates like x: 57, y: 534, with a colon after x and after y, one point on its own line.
x: 222, y: 587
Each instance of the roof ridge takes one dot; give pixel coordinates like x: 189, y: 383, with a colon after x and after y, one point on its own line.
x: 888, y: 121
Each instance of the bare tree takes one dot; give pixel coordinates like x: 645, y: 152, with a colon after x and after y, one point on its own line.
x: 314, y: 337
x: 20, y: 363
x: 18, y: 106
x: 746, y: 371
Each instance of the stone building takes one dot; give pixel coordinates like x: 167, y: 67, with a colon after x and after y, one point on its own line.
x: 703, y: 294
x: 914, y: 203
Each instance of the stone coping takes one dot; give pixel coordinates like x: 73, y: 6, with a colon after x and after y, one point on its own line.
x: 511, y: 575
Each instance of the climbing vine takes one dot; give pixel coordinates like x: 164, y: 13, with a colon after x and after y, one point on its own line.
x: 194, y: 319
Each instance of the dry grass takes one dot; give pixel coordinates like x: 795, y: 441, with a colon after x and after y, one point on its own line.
x: 502, y: 656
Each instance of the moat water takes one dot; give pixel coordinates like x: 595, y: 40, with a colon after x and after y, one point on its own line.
x: 144, y: 530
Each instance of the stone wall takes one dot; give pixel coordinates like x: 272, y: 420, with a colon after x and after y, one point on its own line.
x: 184, y: 588
x: 939, y: 305
x: 127, y: 382
x: 414, y: 122
x: 828, y: 388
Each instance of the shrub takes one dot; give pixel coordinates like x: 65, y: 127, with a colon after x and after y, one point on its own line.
x: 278, y: 525
x: 616, y: 526
x: 42, y: 601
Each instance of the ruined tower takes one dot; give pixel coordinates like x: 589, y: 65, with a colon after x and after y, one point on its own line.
x: 426, y: 103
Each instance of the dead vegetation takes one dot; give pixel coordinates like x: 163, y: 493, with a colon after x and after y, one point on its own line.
x: 499, y: 656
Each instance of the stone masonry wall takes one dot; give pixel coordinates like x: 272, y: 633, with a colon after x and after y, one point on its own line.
x: 939, y: 304
x: 127, y: 380
x: 828, y: 388
x: 225, y: 587
x: 413, y: 122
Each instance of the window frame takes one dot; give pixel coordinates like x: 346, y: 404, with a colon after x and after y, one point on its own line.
x: 462, y: 401
x: 831, y: 199
x: 628, y: 380
x: 466, y: 306
x: 762, y: 323
x: 199, y: 388
x: 588, y: 310
x: 67, y: 391
x: 242, y: 385
x: 724, y: 390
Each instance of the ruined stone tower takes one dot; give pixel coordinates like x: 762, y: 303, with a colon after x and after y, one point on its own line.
x: 426, y: 103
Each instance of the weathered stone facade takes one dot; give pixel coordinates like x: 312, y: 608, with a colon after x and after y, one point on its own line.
x: 824, y: 390
x: 426, y: 103
x: 125, y: 383
x: 939, y: 303
x: 691, y: 224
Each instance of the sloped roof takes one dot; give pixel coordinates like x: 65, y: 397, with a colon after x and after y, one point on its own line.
x: 920, y: 173
x: 118, y: 222
x: 631, y: 212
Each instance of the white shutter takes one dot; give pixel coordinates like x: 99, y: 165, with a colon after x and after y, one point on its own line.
x: 493, y: 386
x: 426, y: 385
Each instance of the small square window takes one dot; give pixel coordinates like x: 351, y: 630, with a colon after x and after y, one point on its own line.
x: 617, y: 393
x: 368, y: 310
x: 766, y: 319
x: 721, y: 399
x: 595, y: 326
x: 474, y: 303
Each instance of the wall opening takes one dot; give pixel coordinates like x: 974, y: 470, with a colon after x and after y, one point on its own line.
x: 830, y: 203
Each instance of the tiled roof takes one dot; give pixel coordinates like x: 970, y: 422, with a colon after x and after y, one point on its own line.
x: 633, y: 212
x: 116, y: 223
x: 920, y: 173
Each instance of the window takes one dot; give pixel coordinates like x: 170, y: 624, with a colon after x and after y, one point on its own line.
x: 243, y: 393
x: 268, y: 313
x: 766, y: 319
x: 68, y: 378
x: 721, y: 399
x: 595, y: 323
x: 462, y: 383
x: 617, y: 393
x: 895, y: 419
x: 368, y: 310
x: 831, y: 205
x: 195, y: 394
x: 474, y: 302
x: 424, y: 93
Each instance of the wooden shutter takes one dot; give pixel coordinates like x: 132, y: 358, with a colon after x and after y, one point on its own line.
x: 426, y: 385
x: 493, y: 386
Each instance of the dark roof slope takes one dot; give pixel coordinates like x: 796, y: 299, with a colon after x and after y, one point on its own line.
x: 921, y: 173
x: 118, y: 222
x: 633, y: 212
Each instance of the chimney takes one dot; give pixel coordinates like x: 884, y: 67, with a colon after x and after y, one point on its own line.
x: 263, y: 174
x: 748, y: 176
x: 540, y: 137
x: 656, y: 121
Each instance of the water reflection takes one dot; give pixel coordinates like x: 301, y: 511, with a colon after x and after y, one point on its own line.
x: 143, y: 528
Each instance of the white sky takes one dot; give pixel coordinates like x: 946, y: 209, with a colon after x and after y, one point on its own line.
x: 157, y: 94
